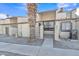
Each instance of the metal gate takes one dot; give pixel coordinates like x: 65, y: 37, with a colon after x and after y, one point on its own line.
x: 49, y: 27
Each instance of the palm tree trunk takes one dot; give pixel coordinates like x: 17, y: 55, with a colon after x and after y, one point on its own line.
x: 32, y: 19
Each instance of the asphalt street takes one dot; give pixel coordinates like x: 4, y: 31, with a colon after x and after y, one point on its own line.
x: 4, y: 53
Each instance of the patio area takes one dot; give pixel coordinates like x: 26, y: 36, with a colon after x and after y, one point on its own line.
x: 66, y: 44
x: 23, y: 40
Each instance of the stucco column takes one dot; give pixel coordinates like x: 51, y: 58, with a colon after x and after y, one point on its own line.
x: 32, y: 19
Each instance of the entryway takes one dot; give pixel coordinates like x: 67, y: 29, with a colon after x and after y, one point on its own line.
x: 49, y: 29
x: 48, y: 33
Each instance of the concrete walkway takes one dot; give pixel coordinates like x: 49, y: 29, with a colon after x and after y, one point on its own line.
x: 48, y: 43
x: 46, y: 49
x: 37, y: 50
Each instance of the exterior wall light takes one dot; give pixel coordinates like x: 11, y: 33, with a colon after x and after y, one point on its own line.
x: 77, y: 12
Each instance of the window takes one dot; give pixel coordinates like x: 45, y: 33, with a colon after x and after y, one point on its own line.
x: 66, y: 26
x: 48, y: 26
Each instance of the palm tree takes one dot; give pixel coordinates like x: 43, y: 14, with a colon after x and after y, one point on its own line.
x: 32, y: 19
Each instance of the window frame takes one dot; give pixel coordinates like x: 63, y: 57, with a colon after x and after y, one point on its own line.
x: 48, y: 26
x: 65, y: 28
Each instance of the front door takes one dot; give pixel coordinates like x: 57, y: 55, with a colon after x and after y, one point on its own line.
x: 7, y: 31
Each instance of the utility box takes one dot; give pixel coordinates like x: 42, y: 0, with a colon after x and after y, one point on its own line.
x: 74, y: 34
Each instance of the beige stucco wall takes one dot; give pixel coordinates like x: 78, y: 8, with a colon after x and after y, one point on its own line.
x: 45, y: 16
x: 38, y: 17
x: 77, y: 27
x: 63, y: 15
x: 19, y: 30
x: 23, y: 30
x: 41, y: 31
x: 2, y: 21
x: 22, y: 19
x: 4, y: 30
x: 74, y: 14
x: 13, y: 31
x: 6, y: 21
x: 37, y: 30
x: 60, y: 15
x: 1, y: 29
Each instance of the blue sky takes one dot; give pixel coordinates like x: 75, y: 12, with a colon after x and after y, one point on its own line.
x: 20, y: 9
